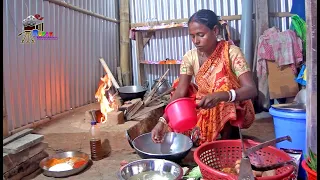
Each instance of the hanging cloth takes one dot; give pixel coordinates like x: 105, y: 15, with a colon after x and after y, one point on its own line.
x: 299, y: 26
x: 302, y: 76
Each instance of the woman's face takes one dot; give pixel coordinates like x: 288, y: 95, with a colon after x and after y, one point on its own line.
x: 202, y: 37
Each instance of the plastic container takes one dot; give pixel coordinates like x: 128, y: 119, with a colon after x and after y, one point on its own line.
x: 182, y: 114
x: 310, y: 173
x: 95, y: 142
x: 292, y: 123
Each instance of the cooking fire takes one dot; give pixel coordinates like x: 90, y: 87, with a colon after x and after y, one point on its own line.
x: 108, y: 102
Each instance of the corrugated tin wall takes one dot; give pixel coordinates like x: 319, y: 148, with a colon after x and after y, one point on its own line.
x: 53, y: 76
x: 280, y: 6
x: 174, y: 43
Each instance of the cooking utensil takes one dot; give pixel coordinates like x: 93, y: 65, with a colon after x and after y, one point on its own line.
x: 67, y: 154
x: 246, y: 167
x: 182, y: 114
x: 154, y: 89
x: 129, y: 139
x: 245, y: 172
x: 267, y: 143
x: 163, y: 87
x: 132, y: 92
x: 175, y: 146
x: 150, y: 166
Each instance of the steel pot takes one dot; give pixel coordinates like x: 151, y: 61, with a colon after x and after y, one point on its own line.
x: 150, y: 165
x: 174, y: 148
x: 163, y: 87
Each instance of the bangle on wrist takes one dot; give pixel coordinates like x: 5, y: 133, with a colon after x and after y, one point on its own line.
x: 230, y: 97
x: 163, y: 120
x: 233, y: 95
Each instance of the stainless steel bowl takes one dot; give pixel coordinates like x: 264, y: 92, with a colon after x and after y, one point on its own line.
x: 150, y: 165
x: 175, y: 146
x: 74, y: 171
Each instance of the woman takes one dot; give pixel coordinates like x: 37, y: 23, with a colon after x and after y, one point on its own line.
x: 224, y: 83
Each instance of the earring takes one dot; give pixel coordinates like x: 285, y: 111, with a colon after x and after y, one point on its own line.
x: 219, y: 37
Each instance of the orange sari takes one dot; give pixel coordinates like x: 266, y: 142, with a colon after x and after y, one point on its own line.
x: 216, y: 75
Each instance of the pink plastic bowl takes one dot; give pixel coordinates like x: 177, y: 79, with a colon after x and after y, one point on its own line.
x: 182, y: 114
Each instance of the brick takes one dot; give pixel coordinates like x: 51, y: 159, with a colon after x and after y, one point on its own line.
x: 12, y: 160
x: 16, y: 136
x: 115, y: 117
x: 25, y: 168
x: 22, y: 143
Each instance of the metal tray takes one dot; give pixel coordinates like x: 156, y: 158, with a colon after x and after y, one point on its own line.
x: 74, y: 171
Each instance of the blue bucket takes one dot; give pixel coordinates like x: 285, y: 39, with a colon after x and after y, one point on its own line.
x: 293, y: 124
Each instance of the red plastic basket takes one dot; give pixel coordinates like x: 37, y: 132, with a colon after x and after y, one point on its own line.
x: 224, y: 153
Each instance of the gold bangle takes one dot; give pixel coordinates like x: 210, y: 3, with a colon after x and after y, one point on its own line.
x: 163, y: 120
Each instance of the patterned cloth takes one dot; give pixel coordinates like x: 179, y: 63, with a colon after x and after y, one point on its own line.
x: 283, y: 47
x: 190, y: 64
x: 218, y: 73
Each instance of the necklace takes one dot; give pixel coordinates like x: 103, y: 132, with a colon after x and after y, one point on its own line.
x: 201, y: 58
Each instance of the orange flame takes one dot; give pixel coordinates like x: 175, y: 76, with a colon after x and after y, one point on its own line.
x: 106, y: 104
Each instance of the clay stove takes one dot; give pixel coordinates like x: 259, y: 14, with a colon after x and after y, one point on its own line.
x: 109, y: 113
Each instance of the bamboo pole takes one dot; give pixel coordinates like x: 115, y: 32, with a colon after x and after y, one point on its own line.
x: 226, y: 18
x: 280, y: 14
x: 67, y: 5
x: 124, y: 42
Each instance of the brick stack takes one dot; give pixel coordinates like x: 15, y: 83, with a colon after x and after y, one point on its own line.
x: 22, y: 153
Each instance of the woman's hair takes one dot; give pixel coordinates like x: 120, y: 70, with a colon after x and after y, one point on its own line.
x: 205, y: 17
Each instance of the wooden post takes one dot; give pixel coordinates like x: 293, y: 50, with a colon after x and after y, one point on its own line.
x: 262, y: 17
x: 140, y: 57
x: 262, y: 24
x: 311, y: 63
x: 124, y: 42
x: 5, y: 117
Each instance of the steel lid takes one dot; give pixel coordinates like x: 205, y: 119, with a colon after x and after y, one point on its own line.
x: 294, y: 107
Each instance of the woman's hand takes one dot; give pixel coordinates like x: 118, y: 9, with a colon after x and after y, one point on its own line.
x: 158, y: 132
x: 211, y: 100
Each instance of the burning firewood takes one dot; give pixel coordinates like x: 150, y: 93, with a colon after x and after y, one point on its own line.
x: 106, y: 99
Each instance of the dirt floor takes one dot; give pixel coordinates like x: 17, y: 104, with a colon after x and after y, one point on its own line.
x: 70, y: 132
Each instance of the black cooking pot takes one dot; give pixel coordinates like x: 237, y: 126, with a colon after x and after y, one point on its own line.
x: 128, y: 93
